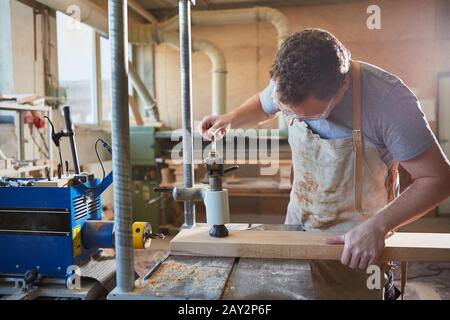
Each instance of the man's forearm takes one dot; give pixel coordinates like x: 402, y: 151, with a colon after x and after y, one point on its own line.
x: 249, y: 114
x: 419, y: 198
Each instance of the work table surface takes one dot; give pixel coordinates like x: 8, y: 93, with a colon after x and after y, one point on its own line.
x: 214, y: 278
x: 181, y: 276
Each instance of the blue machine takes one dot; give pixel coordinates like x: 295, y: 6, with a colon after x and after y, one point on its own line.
x: 44, y: 230
x: 48, y: 229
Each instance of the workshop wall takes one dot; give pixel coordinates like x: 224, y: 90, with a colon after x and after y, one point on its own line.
x: 27, y: 77
x: 23, y: 37
x: 413, y: 42
x: 22, y: 54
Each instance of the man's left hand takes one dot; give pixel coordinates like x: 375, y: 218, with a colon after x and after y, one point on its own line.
x: 363, y: 245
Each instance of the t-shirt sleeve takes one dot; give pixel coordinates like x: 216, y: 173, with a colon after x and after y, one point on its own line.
x: 405, y: 131
x: 266, y: 99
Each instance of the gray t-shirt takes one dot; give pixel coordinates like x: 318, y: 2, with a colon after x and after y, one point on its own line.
x: 392, y: 118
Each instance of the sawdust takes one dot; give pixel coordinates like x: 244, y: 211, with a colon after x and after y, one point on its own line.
x: 173, y: 273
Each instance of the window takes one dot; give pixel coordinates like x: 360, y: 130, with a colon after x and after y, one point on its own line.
x: 105, y: 57
x: 76, y: 57
x: 83, y: 56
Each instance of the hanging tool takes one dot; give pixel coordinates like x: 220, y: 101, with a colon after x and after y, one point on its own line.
x: 47, y: 174
x: 71, y: 135
x: 59, y: 170
x: 67, y: 168
x: 56, y: 138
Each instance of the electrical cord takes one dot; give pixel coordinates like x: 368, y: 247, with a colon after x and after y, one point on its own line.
x: 98, y: 157
x: 108, y: 148
x: 57, y: 136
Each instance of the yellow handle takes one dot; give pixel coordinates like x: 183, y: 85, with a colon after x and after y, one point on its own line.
x: 141, y: 235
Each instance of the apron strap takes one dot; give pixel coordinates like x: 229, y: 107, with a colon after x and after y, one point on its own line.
x: 356, y: 134
x: 395, y: 165
x: 392, y: 182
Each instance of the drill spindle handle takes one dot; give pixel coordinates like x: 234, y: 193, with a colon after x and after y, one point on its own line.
x: 229, y: 169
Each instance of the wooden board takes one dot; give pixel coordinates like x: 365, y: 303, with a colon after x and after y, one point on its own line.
x: 53, y: 183
x: 304, y: 245
x: 135, y: 110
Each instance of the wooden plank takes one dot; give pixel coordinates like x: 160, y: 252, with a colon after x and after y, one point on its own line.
x: 14, y: 172
x: 304, y: 245
x: 53, y: 183
x: 135, y: 110
x: 285, y: 162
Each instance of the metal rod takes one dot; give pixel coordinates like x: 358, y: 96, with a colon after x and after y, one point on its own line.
x: 186, y: 104
x: 121, y: 145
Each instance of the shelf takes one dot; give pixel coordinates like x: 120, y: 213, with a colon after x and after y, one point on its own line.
x: 7, y: 172
x: 14, y: 106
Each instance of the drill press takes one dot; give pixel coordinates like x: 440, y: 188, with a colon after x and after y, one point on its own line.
x: 216, y: 199
x: 213, y: 195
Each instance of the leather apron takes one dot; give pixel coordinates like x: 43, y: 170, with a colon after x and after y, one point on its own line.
x: 330, y: 177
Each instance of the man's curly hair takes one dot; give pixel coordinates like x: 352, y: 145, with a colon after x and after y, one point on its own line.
x: 310, y: 63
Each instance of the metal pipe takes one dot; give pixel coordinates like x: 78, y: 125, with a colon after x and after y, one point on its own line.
x: 184, y: 7
x: 218, y: 62
x: 144, y: 94
x: 219, y: 74
x: 121, y: 145
x: 235, y: 16
x: 96, y: 18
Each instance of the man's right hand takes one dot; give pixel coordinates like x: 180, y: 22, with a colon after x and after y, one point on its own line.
x: 216, y: 126
x: 249, y: 114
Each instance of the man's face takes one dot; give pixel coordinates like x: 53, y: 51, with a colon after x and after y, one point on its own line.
x: 311, y: 108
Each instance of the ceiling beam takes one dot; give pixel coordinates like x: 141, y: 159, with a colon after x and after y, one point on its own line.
x: 31, y: 3
x: 140, y: 9
x: 171, y: 3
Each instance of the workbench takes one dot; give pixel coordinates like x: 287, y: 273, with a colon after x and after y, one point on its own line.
x: 98, y: 278
x: 199, y: 274
x: 214, y: 278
